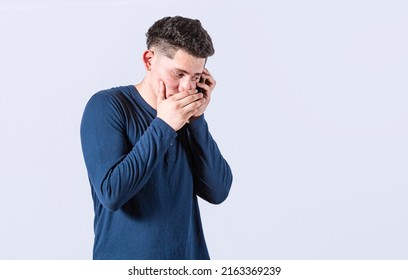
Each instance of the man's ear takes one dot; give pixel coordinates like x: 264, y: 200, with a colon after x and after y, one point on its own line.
x: 147, y: 59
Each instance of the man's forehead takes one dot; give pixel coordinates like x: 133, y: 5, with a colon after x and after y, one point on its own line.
x: 188, y: 63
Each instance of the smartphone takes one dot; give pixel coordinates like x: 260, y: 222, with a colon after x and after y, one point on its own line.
x: 202, y: 80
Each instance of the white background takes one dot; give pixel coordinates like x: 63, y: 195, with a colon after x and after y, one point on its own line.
x: 310, y: 110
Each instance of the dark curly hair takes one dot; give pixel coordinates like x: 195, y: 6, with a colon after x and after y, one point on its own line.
x: 170, y: 34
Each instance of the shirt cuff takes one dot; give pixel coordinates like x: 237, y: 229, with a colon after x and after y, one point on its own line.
x: 198, y: 123
x: 164, y: 127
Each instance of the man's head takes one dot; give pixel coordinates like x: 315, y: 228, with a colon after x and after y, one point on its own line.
x: 170, y: 34
x: 178, y: 48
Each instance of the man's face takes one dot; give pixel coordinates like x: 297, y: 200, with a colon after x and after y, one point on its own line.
x: 178, y: 74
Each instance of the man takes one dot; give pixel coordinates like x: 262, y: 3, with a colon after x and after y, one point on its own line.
x: 149, y: 153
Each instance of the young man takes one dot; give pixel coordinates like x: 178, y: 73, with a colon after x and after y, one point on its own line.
x: 149, y: 153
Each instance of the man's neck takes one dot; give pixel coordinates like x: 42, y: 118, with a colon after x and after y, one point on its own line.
x: 147, y: 94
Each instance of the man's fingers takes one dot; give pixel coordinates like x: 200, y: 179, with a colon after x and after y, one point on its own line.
x: 183, y: 94
x: 209, y: 80
x: 187, y: 100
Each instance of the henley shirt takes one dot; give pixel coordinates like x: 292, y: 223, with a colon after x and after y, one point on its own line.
x: 145, y: 178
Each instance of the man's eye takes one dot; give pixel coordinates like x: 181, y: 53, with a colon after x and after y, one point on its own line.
x: 178, y: 75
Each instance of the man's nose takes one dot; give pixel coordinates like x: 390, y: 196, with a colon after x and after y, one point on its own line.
x: 186, y: 85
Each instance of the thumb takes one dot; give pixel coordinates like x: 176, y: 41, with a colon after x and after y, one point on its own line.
x: 161, y: 95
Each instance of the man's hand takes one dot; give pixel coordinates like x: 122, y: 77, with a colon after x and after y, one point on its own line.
x: 177, y: 110
x: 208, y: 85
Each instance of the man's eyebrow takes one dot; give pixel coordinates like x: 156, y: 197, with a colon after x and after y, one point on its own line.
x: 186, y: 72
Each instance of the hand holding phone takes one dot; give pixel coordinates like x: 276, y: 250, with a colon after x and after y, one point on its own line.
x: 207, y: 84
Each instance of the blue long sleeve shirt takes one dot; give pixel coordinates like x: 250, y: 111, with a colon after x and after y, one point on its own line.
x: 145, y: 179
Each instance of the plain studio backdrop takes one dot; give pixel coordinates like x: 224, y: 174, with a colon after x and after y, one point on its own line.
x: 310, y: 110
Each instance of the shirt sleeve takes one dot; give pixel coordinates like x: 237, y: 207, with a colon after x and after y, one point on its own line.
x: 213, y: 175
x: 117, y: 170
